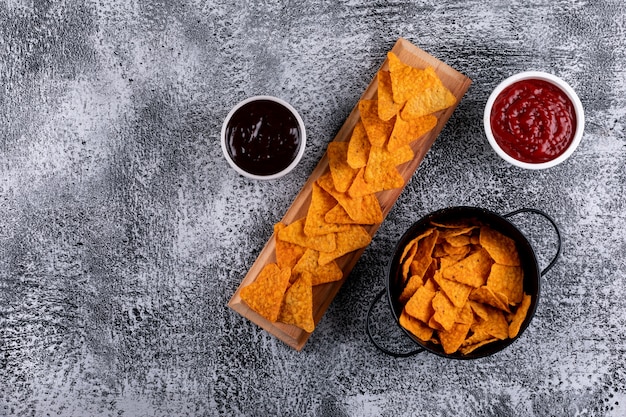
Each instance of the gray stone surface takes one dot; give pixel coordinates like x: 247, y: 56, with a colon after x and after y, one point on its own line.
x: 123, y: 233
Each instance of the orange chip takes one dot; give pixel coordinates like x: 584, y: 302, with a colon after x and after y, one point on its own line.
x: 415, y: 326
x: 411, y: 248
x: 294, y: 233
x: 445, y: 311
x: 356, y: 237
x: 486, y: 295
x: 479, y: 309
x: 430, y: 284
x: 508, y: 280
x: 431, y: 100
x: 264, y: 295
x: 362, y: 210
x: 420, y: 304
x: 469, y: 348
x: 342, y: 173
x: 287, y: 253
x: 457, y: 293
x: 454, y: 230
x: 378, y: 131
x: 519, y: 316
x: 408, y: 81
x: 386, y: 106
x: 387, y: 181
x: 459, y: 240
x: 422, y: 258
x: 297, y: 308
x: 500, y: 247
x: 381, y: 161
x: 457, y: 252
x: 452, y: 339
x: 321, y: 203
x: 472, y: 270
x: 412, y: 284
x: 320, y: 274
x: 405, y: 132
x: 358, y: 147
x: 495, y: 325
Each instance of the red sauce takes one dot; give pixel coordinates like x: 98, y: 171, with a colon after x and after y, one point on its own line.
x: 263, y: 137
x: 533, y: 121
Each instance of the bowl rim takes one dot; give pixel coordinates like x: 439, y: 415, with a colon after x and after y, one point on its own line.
x: 301, y: 148
x: 558, y: 82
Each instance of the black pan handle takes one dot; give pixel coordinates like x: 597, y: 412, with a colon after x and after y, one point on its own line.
x: 556, y: 229
x: 381, y: 348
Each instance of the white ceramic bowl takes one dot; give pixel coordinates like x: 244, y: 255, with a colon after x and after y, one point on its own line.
x: 298, y: 155
x: 571, y: 94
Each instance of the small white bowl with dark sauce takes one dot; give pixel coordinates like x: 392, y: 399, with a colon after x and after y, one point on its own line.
x: 263, y: 137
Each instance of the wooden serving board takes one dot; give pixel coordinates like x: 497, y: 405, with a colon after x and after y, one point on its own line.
x: 323, y: 294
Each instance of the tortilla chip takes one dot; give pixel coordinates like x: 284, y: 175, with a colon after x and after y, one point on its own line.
x: 265, y: 294
x: 412, y: 284
x: 432, y: 100
x: 297, y: 308
x: 356, y: 237
x: 362, y: 210
x: 387, y: 181
x: 320, y: 274
x: 287, y: 253
x: 358, y: 147
x: 341, y: 172
x: 420, y: 304
x: 452, y: 339
x: 415, y: 326
x: 321, y: 203
x: 421, y: 259
x: 469, y: 348
x: 387, y: 108
x: 457, y: 293
x: 472, y: 270
x: 519, y: 316
x: 381, y: 161
x: 408, y: 81
x: 445, y: 311
x: 495, y: 325
x: 294, y: 233
x: 405, y: 132
x: 508, y: 280
x: 500, y: 247
x: 378, y: 131
x: 487, y: 296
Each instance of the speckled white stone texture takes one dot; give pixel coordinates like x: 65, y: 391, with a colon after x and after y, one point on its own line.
x: 124, y: 233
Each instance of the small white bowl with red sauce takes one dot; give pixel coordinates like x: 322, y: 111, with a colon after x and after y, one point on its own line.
x: 534, y: 120
x: 263, y: 137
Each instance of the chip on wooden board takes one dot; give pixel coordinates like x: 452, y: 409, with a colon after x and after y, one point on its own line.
x: 358, y: 147
x: 321, y: 273
x: 378, y: 130
x: 321, y: 203
x: 264, y: 295
x: 287, y: 253
x: 294, y: 233
x: 342, y: 173
x: 297, y: 308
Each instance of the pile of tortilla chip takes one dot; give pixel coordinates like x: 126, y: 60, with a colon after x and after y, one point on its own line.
x: 344, y: 199
x: 463, y: 287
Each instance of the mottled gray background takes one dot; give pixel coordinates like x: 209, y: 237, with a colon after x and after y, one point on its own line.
x: 123, y: 233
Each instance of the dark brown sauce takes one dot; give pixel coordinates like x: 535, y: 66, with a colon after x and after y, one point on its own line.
x: 263, y: 137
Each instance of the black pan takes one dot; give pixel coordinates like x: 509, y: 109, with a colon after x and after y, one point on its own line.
x: 532, y: 273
